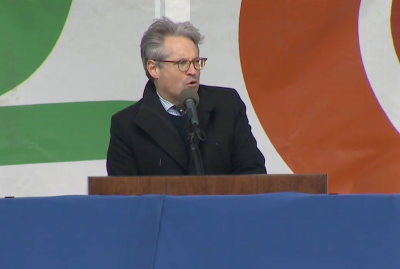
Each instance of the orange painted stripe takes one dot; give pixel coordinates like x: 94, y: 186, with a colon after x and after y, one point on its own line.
x: 303, y: 70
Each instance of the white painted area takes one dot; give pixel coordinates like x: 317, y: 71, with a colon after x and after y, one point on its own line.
x: 97, y: 57
x: 49, y: 179
x: 219, y: 22
x: 158, y: 12
x: 177, y: 10
x: 379, y: 56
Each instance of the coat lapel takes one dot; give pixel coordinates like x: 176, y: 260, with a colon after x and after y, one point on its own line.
x: 205, y: 107
x: 154, y: 120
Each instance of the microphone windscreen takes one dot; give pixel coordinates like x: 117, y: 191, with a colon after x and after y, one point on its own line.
x: 189, y: 93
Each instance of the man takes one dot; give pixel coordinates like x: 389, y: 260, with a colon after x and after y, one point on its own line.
x: 150, y: 137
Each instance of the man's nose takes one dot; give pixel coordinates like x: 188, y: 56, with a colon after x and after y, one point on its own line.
x: 191, y: 70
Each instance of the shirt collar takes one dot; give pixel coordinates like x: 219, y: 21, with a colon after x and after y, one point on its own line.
x: 168, y: 106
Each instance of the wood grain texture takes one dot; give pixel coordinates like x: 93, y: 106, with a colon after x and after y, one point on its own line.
x: 208, y: 185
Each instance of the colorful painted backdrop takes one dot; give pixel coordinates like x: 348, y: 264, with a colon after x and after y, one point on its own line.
x: 320, y: 78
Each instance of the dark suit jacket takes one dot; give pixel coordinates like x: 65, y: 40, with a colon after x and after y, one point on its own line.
x: 144, y: 140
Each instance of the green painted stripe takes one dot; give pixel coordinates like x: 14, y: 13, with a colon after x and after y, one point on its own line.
x: 56, y: 132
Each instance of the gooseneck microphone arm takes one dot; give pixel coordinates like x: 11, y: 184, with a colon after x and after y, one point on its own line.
x: 191, y: 113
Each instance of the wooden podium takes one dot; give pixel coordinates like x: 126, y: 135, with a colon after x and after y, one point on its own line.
x: 208, y: 185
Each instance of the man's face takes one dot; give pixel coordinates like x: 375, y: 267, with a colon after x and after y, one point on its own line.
x: 171, y: 81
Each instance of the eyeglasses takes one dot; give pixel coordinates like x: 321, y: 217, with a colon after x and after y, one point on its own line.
x: 184, y: 64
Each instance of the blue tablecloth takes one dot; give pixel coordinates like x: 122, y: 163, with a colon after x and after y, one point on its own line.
x: 284, y: 230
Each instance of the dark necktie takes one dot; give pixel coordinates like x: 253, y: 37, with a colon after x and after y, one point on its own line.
x: 180, y: 109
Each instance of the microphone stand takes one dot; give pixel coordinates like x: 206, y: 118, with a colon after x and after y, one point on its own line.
x: 194, y: 137
x: 194, y: 149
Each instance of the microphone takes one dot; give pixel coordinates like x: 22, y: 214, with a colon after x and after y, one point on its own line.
x: 189, y: 98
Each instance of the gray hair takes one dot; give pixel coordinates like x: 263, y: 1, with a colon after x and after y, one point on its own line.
x: 151, y: 47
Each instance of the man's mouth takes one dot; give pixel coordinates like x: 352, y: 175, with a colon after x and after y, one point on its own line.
x: 192, y: 83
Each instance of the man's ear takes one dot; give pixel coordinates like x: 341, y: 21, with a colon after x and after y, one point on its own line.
x: 152, y: 68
